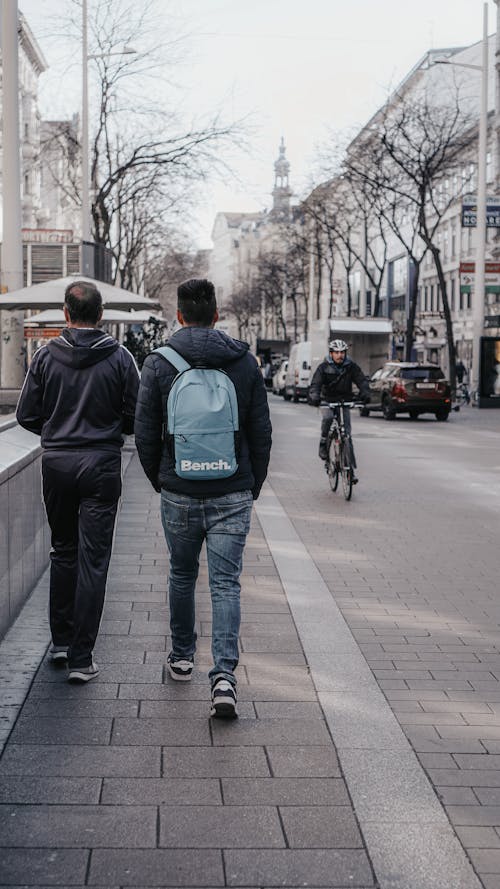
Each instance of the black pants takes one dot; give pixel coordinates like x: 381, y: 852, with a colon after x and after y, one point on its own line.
x: 81, y: 492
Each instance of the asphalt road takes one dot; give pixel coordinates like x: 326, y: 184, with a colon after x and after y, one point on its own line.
x: 412, y: 563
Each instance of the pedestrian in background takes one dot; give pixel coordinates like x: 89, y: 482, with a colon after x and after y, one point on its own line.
x: 79, y: 395
x: 214, y: 509
x: 460, y: 371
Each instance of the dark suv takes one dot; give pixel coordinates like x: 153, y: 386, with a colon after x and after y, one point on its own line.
x: 401, y: 387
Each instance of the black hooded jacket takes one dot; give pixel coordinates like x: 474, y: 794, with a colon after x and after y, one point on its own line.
x: 204, y: 347
x: 332, y: 382
x: 80, y: 392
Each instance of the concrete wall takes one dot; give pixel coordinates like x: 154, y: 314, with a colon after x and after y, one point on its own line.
x: 24, y: 532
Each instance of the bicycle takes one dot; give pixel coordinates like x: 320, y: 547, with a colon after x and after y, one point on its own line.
x: 340, y: 461
x: 462, y: 396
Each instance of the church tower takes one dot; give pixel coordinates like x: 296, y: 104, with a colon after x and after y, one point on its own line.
x: 281, y: 191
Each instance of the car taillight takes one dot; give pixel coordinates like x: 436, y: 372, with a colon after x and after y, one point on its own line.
x: 399, y: 391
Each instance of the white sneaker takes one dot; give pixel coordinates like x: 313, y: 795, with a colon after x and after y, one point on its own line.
x: 83, y: 674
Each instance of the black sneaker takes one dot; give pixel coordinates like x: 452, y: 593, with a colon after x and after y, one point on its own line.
x: 181, y: 669
x: 59, y: 655
x: 323, y: 452
x: 224, y: 700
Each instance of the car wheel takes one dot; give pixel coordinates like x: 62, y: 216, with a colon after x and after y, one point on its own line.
x: 364, y: 412
x: 387, y: 410
x: 295, y: 398
x: 442, y: 415
x: 413, y: 415
x: 287, y: 397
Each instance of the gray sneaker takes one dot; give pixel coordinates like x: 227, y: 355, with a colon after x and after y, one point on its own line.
x: 59, y: 654
x: 83, y: 674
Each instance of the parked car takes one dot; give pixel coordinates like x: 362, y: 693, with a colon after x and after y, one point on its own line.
x: 279, y: 378
x: 401, y: 387
x: 298, y: 375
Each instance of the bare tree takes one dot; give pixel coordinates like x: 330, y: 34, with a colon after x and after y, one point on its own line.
x: 145, y: 159
x: 244, y: 305
x: 416, y: 144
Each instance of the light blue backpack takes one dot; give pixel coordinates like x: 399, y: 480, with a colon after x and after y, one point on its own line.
x: 202, y: 420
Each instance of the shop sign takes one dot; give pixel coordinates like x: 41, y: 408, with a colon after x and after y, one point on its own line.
x: 47, y: 235
x: 491, y: 277
x: 469, y: 212
x: 41, y: 333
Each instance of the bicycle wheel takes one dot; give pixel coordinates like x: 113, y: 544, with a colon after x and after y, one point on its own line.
x: 346, y: 472
x: 332, y: 468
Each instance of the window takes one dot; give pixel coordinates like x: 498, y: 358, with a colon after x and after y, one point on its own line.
x: 422, y: 373
x: 452, y: 294
x: 453, y: 240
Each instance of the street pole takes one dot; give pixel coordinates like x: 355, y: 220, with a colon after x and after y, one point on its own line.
x: 497, y: 102
x: 12, y: 323
x: 478, y: 302
x: 85, y: 130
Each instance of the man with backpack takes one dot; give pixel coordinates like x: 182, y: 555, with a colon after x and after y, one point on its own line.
x: 203, y: 435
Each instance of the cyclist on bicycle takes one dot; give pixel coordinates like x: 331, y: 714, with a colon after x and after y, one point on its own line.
x: 332, y: 381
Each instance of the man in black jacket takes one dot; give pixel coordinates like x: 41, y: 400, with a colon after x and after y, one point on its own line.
x: 79, y: 396
x: 332, y: 381
x: 215, y: 510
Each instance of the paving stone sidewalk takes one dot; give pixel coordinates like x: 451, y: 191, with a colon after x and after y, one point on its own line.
x: 126, y: 782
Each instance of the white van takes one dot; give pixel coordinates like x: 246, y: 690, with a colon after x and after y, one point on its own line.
x: 298, y: 375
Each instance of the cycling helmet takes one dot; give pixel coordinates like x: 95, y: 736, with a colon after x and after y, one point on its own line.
x: 337, y: 346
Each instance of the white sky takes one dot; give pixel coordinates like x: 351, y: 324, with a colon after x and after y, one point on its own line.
x: 299, y: 68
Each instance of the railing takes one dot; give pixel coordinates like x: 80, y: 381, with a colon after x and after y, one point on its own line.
x: 24, y: 532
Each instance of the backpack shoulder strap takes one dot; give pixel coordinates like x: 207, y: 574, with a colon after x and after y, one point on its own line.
x: 173, y: 357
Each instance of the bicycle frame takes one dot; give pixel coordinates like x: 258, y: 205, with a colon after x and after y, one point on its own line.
x: 341, y: 462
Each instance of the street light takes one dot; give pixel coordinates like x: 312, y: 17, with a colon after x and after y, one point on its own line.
x: 127, y: 50
x: 479, y: 286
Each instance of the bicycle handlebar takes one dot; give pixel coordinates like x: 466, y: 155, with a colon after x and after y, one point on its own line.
x: 342, y: 403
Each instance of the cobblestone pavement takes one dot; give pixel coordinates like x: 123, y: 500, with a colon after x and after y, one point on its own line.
x: 369, y: 638
x: 126, y: 782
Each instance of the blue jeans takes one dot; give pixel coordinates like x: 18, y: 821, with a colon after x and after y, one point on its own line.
x: 223, y: 522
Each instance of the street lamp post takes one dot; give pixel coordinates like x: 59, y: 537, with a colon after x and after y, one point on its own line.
x: 127, y: 50
x: 85, y: 129
x: 479, y: 274
x: 479, y: 288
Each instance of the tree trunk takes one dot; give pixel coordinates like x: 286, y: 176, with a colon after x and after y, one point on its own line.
x: 412, y: 310
x: 447, y: 314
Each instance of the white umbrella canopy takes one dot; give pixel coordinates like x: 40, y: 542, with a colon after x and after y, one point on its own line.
x: 55, y: 318
x: 50, y: 295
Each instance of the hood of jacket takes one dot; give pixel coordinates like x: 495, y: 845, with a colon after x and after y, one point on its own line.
x: 207, y: 347
x: 82, y: 347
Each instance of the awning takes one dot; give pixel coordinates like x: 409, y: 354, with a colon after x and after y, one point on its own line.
x: 55, y: 318
x: 50, y: 295
x: 361, y: 325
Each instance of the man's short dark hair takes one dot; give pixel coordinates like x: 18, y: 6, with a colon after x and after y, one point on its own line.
x: 196, y: 301
x: 83, y: 301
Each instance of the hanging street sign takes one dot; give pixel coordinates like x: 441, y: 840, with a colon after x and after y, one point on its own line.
x: 469, y: 212
x: 491, y: 277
